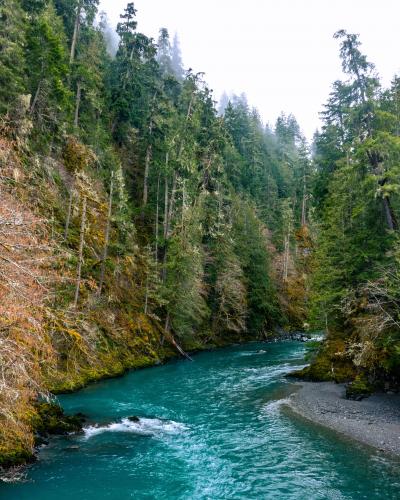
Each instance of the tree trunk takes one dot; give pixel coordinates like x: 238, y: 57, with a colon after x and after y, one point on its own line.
x: 157, y: 217
x: 182, y: 142
x: 304, y: 201
x: 146, y: 177
x: 148, y: 158
x: 219, y: 202
x: 286, y: 255
x: 183, y: 206
x: 77, y: 103
x: 165, y: 206
x: 81, y: 246
x: 167, y: 225
x: 76, y: 32
x: 285, y: 260
x: 107, y: 236
x: 164, y: 270
x: 148, y: 270
x: 389, y: 214
x: 35, y: 99
x: 190, y: 107
x: 171, y: 205
x: 68, y: 219
x: 146, y: 300
x: 303, y: 211
x: 378, y: 170
x: 179, y: 349
x: 166, y: 325
x: 170, y: 337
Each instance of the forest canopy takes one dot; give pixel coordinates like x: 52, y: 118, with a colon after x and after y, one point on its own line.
x: 138, y: 221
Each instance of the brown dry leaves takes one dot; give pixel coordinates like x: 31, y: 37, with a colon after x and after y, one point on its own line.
x: 25, y: 274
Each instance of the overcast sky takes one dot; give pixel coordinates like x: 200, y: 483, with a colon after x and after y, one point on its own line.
x: 281, y: 53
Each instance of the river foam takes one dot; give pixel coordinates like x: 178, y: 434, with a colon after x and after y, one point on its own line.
x: 144, y: 427
x: 240, y: 441
x: 274, y: 407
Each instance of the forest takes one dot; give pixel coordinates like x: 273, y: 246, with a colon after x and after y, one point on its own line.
x: 140, y: 219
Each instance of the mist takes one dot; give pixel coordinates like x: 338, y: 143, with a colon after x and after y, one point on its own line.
x: 282, y: 55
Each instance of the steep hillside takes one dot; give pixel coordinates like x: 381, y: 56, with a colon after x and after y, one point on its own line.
x: 355, y: 279
x: 136, y: 223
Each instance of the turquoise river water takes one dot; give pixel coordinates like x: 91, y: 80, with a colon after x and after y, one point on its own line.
x: 214, y: 428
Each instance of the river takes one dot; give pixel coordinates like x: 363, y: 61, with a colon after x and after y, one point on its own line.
x: 214, y: 428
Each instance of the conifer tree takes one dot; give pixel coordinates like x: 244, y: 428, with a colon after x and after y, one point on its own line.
x: 13, y: 24
x: 176, y: 58
x: 164, y: 52
x: 47, y: 68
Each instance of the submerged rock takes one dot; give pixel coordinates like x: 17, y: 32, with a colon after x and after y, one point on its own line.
x: 134, y: 419
x: 40, y: 440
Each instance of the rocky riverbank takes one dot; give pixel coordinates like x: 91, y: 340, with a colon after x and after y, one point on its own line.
x: 374, y: 421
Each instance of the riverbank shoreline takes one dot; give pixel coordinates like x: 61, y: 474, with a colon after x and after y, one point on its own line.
x: 167, y: 355
x: 217, y: 428
x: 374, y: 421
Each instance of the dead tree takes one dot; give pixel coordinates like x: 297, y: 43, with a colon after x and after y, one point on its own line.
x: 76, y: 32
x: 69, y: 210
x: 286, y: 254
x: 107, y: 236
x: 81, y: 247
x: 157, y: 217
x: 77, y: 103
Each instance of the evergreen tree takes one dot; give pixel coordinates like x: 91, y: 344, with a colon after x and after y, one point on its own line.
x: 164, y: 52
x: 47, y: 69
x: 176, y: 58
x: 109, y: 34
x: 356, y: 194
x: 223, y: 103
x: 13, y: 24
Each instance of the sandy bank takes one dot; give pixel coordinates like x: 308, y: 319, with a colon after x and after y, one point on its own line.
x: 374, y: 421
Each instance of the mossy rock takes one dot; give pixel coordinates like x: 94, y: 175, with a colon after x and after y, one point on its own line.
x: 320, y: 370
x: 359, y: 389
x: 16, y: 456
x: 50, y: 419
x: 328, y: 364
x: 343, y: 371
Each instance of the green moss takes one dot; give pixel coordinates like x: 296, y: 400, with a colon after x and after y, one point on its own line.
x: 329, y: 363
x: 343, y: 371
x: 359, y: 388
x: 15, y: 454
x: 111, y: 365
x: 192, y: 344
x: 50, y: 419
x: 318, y: 371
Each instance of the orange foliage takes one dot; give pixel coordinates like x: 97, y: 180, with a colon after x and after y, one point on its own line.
x: 25, y: 255
x: 293, y: 292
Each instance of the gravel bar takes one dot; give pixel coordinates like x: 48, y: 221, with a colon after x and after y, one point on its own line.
x: 374, y: 421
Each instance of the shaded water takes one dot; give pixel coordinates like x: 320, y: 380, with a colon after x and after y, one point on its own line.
x: 211, y: 429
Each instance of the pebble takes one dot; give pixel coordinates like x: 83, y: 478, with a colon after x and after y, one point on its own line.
x: 321, y: 401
